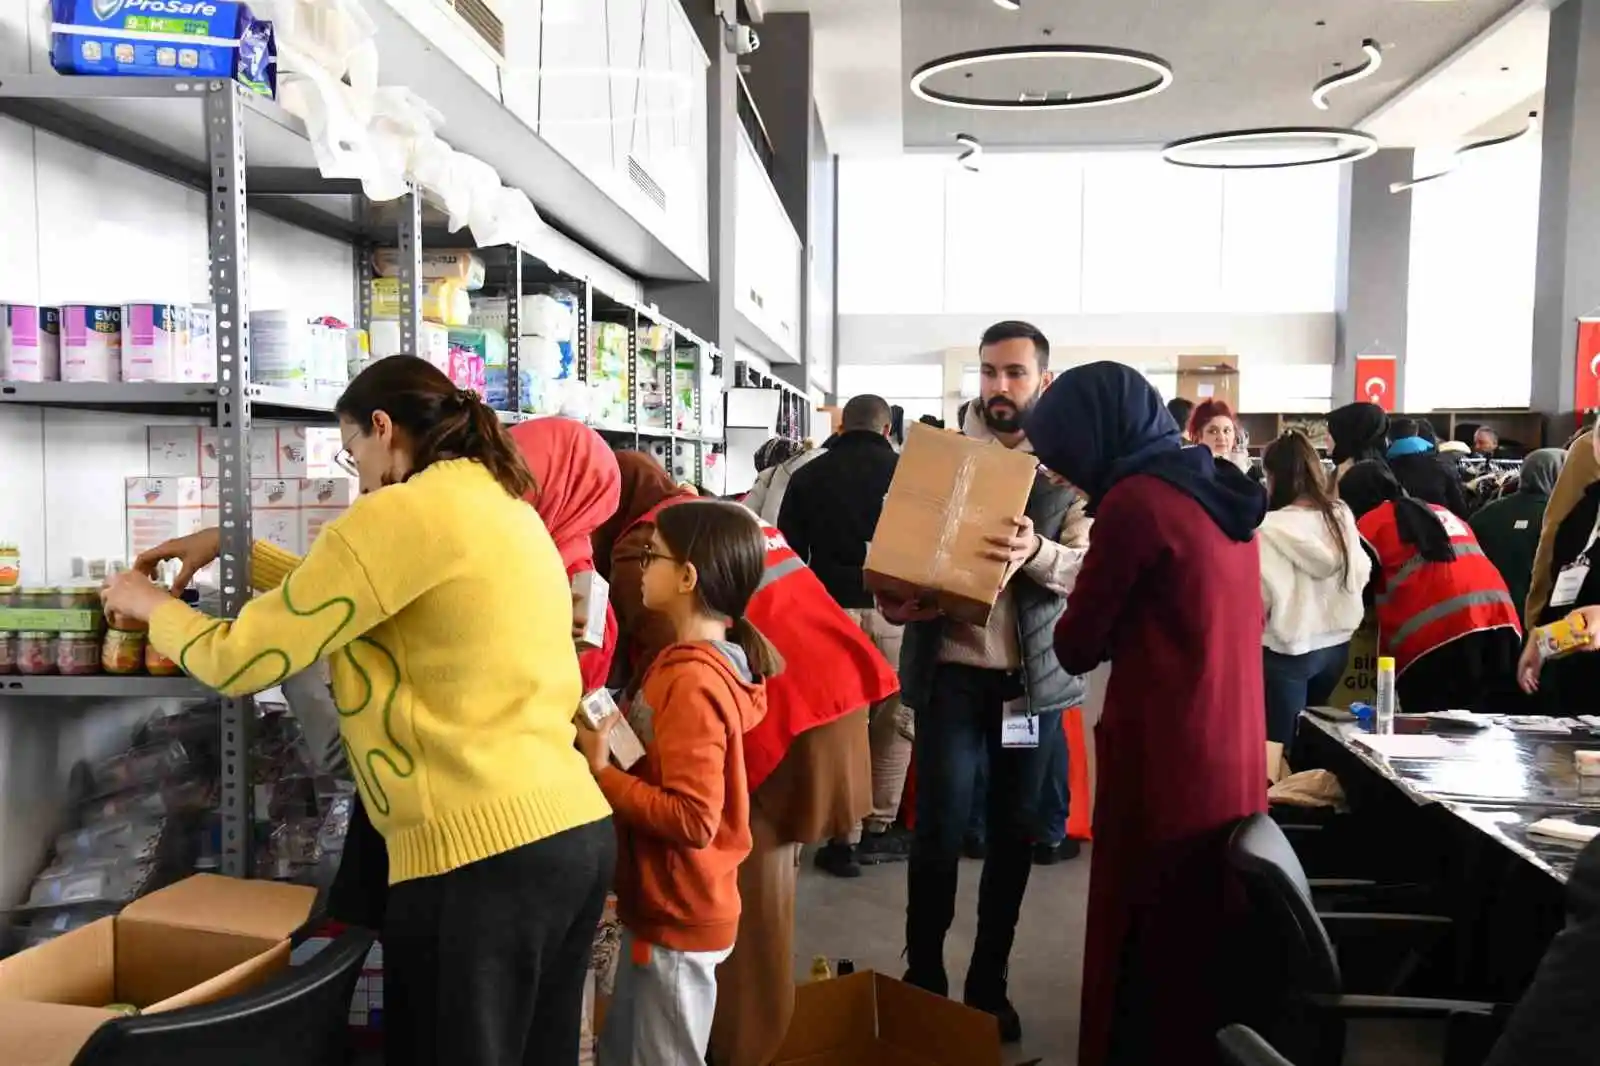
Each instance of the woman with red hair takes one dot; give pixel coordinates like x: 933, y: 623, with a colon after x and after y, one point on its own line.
x: 1212, y: 424
x: 578, y: 488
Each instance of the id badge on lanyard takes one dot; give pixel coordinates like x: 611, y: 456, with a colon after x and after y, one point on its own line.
x: 1019, y: 726
x: 1569, y: 582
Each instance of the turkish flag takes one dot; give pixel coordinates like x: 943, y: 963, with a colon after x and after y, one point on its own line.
x: 1586, y: 393
x: 1375, y: 377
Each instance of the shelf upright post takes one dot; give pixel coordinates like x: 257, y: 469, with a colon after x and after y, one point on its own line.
x: 514, y: 333
x: 585, y: 317
x: 364, y: 274
x: 633, y: 375
x: 409, y: 236
x: 230, y: 292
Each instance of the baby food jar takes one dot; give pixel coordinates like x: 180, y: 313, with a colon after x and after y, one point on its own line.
x: 156, y: 664
x: 10, y: 596
x: 8, y: 652
x: 123, y: 651
x: 38, y: 599
x: 36, y: 653
x: 78, y: 653
x: 79, y: 598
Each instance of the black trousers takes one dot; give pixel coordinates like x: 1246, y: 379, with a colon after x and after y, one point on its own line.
x: 958, y: 731
x: 485, y: 965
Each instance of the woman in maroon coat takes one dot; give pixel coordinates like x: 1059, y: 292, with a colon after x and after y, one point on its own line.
x: 1169, y: 592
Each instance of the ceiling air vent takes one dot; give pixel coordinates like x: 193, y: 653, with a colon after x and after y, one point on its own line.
x: 647, y: 185
x: 484, y: 18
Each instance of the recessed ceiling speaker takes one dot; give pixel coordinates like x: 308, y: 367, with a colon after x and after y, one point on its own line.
x: 1319, y: 94
x: 1350, y: 146
x: 1159, y: 73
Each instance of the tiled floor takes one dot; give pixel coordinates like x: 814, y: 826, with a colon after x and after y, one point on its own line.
x: 864, y: 920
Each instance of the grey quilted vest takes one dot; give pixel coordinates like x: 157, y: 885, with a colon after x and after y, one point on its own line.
x: 1050, y: 688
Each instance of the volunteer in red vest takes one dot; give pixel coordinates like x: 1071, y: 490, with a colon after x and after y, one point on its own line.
x: 807, y: 761
x: 1444, y: 614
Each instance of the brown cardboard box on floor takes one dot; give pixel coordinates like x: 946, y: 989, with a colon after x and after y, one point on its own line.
x: 949, y: 493
x: 194, y: 942
x: 868, y: 1019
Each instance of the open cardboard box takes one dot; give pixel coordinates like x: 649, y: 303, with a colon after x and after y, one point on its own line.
x: 949, y: 493
x: 868, y: 1019
x: 1209, y: 377
x: 198, y: 941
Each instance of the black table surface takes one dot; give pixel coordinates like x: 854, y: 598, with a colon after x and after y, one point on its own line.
x: 1497, y: 780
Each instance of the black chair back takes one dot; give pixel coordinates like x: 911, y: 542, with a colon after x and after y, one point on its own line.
x: 299, y: 1018
x: 1243, y: 1047
x: 1280, y: 898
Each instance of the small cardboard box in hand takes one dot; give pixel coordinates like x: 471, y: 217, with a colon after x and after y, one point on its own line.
x: 949, y: 494
x: 623, y: 742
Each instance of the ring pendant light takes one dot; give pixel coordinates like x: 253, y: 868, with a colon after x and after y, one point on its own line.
x: 1319, y: 95
x: 1155, y: 65
x: 1358, y: 145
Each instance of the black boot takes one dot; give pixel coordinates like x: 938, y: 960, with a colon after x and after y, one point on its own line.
x: 838, y: 859
x: 988, y: 994
x: 1005, y: 882
x: 930, y: 907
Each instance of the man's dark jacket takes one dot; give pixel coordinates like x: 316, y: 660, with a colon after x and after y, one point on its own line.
x: 831, y: 509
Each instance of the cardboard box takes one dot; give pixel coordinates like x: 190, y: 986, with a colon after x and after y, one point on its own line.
x: 161, y: 508
x: 1209, y: 377
x: 322, y: 499
x: 196, y: 942
x: 868, y: 1019
x: 275, y: 512
x: 948, y: 495
x: 590, y: 595
x: 182, y: 451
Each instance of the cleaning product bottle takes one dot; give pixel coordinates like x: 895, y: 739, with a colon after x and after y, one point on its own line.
x: 1383, y: 716
x: 820, y: 970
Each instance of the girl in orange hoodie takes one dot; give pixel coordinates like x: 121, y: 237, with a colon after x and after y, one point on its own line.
x: 683, y: 811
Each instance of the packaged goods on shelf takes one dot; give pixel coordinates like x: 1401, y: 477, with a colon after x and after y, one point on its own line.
x: 445, y: 302
x: 685, y: 381
x: 438, y: 264
x: 155, y: 341
x: 284, y: 451
x: 478, y: 361
x: 321, y: 501
x: 202, y: 364
x: 30, y: 343
x: 433, y: 343
x: 275, y: 512
x: 358, y: 350
x: 608, y: 373
x: 161, y: 508
x: 654, y: 386
x: 216, y: 39
x: 10, y: 566
x: 91, y: 342
x: 286, y: 348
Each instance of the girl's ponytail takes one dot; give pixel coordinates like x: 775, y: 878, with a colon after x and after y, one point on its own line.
x: 765, y: 660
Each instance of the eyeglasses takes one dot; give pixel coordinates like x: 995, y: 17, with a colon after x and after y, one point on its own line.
x: 651, y: 555
x: 347, y: 461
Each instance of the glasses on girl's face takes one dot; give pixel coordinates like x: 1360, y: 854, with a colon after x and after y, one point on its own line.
x: 651, y: 555
x: 346, y: 460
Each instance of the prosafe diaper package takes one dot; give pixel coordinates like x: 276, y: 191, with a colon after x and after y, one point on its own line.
x: 164, y: 39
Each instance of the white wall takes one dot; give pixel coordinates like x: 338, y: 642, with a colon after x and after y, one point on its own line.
x: 1474, y: 244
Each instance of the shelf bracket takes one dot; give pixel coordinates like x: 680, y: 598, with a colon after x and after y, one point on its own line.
x: 409, y: 241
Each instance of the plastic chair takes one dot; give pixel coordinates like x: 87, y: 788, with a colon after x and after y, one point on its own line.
x: 1304, y: 1005
x: 299, y: 1018
x: 1241, y: 1046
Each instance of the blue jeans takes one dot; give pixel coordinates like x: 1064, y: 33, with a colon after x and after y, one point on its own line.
x: 1295, y: 682
x: 956, y: 733
x: 978, y: 821
x: 1053, y: 799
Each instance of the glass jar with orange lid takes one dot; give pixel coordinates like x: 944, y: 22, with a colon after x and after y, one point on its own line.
x: 156, y: 664
x: 122, y: 651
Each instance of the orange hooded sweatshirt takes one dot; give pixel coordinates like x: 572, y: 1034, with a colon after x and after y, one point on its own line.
x: 683, y: 812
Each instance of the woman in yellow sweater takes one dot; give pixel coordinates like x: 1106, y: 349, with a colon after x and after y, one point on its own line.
x: 443, y: 608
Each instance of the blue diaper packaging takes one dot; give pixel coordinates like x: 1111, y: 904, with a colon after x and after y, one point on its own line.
x: 164, y: 39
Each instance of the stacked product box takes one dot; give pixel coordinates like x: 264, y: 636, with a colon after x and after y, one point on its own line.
x: 286, y: 451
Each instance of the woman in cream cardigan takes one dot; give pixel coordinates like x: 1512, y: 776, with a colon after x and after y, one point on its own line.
x: 1571, y: 528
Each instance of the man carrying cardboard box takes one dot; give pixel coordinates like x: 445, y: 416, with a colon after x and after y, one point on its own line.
x: 828, y: 516
x: 968, y: 683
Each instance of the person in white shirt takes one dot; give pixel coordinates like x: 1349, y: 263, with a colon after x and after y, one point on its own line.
x: 1313, y: 570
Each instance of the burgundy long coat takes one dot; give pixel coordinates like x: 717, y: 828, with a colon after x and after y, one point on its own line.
x: 1176, y: 606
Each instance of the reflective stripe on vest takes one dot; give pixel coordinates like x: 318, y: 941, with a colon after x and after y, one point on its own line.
x: 1417, y: 562
x: 777, y: 571
x: 1449, y: 607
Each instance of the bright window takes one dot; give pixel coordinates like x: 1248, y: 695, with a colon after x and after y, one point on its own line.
x: 1152, y: 236
x: 891, y: 235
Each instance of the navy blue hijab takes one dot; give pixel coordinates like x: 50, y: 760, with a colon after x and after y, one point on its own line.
x: 1102, y: 422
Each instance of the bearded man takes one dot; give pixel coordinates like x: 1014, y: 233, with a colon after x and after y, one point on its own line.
x: 994, y: 694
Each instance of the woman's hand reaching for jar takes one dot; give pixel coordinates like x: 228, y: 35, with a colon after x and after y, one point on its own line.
x: 194, y: 552
x: 130, y: 597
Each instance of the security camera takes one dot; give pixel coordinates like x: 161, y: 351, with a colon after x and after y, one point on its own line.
x: 742, y: 39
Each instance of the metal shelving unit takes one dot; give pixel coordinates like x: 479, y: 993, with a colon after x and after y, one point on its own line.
x: 215, y: 136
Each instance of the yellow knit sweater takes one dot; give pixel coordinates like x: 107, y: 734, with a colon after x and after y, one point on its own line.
x: 445, y: 610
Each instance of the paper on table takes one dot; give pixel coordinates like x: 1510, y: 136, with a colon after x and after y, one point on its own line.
x: 1562, y: 829
x: 1412, y: 746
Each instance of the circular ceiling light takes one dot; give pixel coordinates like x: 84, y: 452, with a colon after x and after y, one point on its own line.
x: 1160, y: 68
x: 1348, y: 147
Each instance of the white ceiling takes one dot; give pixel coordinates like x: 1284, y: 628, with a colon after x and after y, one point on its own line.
x: 1450, y: 67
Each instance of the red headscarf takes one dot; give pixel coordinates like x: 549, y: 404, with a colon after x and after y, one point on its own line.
x: 579, y: 488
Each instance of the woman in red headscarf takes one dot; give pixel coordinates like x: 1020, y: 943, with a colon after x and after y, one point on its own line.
x: 808, y: 762
x: 579, y: 487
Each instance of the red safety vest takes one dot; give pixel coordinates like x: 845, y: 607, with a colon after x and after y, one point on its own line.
x: 831, y: 667
x: 1423, y: 605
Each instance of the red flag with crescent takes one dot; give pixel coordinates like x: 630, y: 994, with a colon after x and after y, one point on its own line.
x: 1586, y: 394
x: 1375, y: 380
